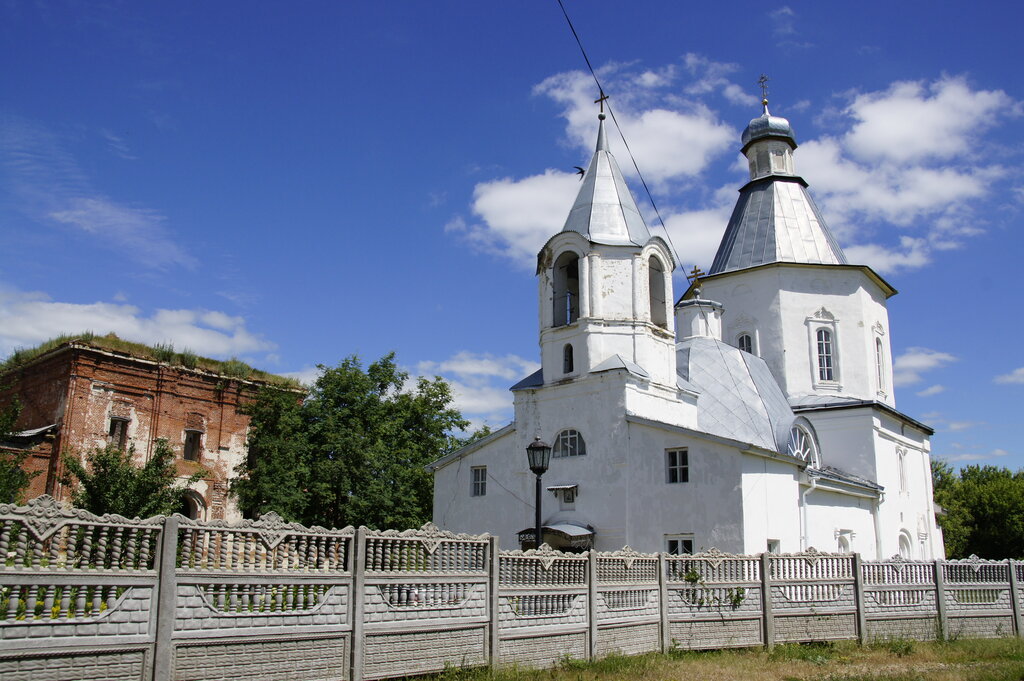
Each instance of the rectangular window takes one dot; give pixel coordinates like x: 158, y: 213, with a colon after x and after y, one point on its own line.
x: 774, y: 546
x: 677, y: 462
x: 118, y: 435
x: 825, y: 369
x: 679, y: 544
x: 478, y: 488
x: 193, y: 442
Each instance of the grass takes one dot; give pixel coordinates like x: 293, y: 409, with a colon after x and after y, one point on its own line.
x: 895, y: 660
x: 161, y: 352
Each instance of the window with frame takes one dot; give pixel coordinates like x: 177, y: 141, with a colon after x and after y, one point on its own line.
x: 679, y: 544
x: 478, y: 487
x: 567, y: 362
x: 774, y: 546
x: 677, y: 465
x: 826, y: 359
x: 118, y: 433
x: 568, y: 443
x: 745, y: 343
x: 193, y: 444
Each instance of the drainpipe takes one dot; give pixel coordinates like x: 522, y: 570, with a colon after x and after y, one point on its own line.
x: 876, y: 511
x: 803, y: 513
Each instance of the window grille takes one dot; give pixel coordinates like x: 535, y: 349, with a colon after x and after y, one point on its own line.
x: 745, y: 343
x: 479, y: 484
x: 569, y: 443
x: 677, y: 462
x: 679, y: 544
x: 826, y: 370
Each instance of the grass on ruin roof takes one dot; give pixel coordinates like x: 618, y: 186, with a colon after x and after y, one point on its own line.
x: 161, y: 352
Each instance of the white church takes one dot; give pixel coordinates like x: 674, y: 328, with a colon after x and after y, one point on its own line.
x: 755, y: 414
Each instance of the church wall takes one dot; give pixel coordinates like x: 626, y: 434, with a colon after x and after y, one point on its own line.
x: 770, y: 504
x: 845, y: 440
x: 708, y: 506
x: 832, y: 516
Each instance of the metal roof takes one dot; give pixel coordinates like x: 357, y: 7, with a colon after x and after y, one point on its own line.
x: 776, y: 220
x: 739, y: 398
x: 605, y: 211
x: 620, y: 362
x: 767, y: 125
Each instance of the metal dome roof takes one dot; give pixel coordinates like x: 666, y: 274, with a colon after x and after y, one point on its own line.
x: 767, y: 125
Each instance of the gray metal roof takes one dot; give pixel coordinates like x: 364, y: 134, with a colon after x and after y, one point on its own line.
x: 620, y: 362
x: 739, y: 398
x: 776, y: 220
x: 767, y: 125
x: 605, y: 211
x: 534, y: 380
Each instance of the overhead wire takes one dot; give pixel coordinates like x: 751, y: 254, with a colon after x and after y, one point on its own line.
x: 636, y: 167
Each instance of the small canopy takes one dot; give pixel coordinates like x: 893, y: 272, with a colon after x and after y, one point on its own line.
x: 570, y: 536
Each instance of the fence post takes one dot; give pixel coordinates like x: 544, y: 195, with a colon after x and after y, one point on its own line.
x: 493, y: 584
x: 766, y: 601
x: 858, y: 599
x: 592, y: 603
x: 1018, y: 619
x: 666, y: 631
x: 166, y: 601
x: 940, y: 600
x: 358, y: 603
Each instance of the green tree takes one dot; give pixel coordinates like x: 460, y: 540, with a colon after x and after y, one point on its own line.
x: 354, y: 452
x: 14, y: 479
x: 984, y: 510
x: 110, y: 482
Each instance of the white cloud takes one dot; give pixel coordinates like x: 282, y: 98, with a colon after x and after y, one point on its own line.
x: 958, y: 426
x: 46, y: 183
x: 307, y: 376
x: 976, y: 456
x: 911, y: 254
x: 908, y: 367
x: 1015, y: 376
x: 480, y: 383
x: 914, y: 121
x: 29, y: 318
x: 931, y: 390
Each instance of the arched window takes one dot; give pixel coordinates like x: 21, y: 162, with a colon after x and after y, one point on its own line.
x: 567, y: 289
x: 879, y: 364
x: 826, y: 368
x: 901, y: 465
x: 569, y: 443
x: 745, y: 343
x: 567, y: 359
x: 656, y: 286
x: 844, y: 543
x: 803, y: 446
x: 193, y: 506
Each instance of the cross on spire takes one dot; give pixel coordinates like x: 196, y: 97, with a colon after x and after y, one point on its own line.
x: 600, y: 100
x: 763, y: 82
x: 695, y: 275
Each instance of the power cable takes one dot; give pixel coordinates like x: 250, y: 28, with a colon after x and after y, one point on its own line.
x: 600, y: 88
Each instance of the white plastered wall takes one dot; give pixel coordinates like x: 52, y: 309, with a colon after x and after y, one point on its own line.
x: 770, y: 510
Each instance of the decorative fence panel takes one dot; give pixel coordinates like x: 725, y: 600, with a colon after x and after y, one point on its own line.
x: 77, y: 593
x: 425, y: 601
x: 85, y: 597
x: 543, y: 608
x: 714, y: 601
x: 813, y: 597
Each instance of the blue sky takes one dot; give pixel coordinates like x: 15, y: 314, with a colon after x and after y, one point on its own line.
x: 295, y: 183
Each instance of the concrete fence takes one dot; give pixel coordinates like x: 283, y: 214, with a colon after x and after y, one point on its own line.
x: 87, y: 597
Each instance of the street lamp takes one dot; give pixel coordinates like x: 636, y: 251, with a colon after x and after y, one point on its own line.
x: 539, y: 454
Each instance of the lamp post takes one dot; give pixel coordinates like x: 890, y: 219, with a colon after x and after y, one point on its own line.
x: 539, y: 455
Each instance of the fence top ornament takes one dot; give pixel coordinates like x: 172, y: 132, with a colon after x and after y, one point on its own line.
x: 271, y: 528
x: 714, y: 557
x: 44, y: 516
x: 811, y: 555
x: 545, y: 554
x: 974, y: 562
x: 627, y: 554
x: 430, y: 535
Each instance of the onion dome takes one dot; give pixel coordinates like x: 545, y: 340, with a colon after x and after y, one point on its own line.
x: 767, y: 126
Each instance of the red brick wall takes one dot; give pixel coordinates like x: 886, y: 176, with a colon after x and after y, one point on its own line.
x: 81, y: 388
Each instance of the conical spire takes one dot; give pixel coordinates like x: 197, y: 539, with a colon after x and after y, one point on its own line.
x: 605, y: 211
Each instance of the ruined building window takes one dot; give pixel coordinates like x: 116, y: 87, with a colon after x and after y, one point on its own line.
x: 569, y: 443
x: 478, y: 487
x: 567, y: 289
x: 656, y: 284
x: 567, y: 359
x: 745, y: 343
x: 826, y: 369
x: 193, y: 441
x: 118, y: 434
x: 677, y: 464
